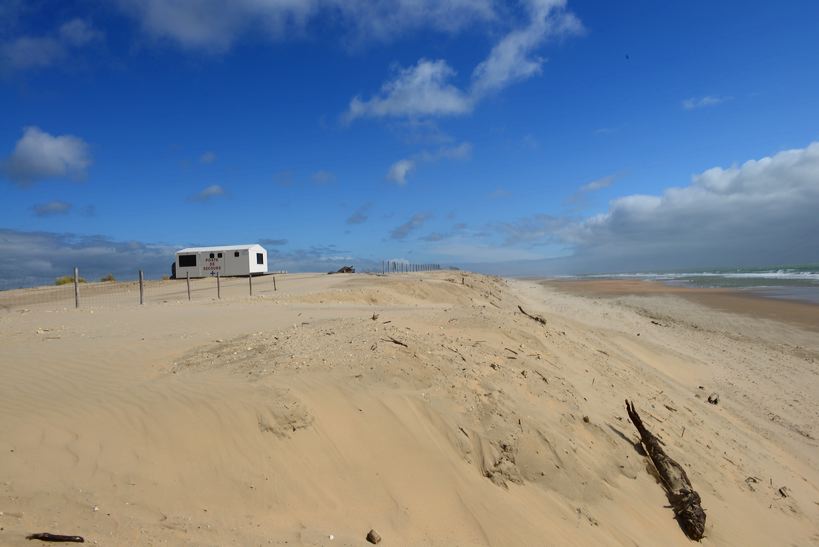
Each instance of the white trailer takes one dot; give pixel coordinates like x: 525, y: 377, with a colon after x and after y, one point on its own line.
x: 226, y: 260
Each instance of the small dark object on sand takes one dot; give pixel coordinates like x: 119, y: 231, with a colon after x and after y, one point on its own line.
x: 713, y: 398
x: 45, y: 536
x: 373, y: 537
x: 537, y: 318
x: 684, y: 500
x: 344, y: 269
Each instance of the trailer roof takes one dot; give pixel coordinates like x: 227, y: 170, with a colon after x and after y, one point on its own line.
x: 218, y: 248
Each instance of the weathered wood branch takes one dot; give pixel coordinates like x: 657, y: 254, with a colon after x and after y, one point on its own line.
x: 45, y: 536
x: 537, y: 318
x: 684, y: 500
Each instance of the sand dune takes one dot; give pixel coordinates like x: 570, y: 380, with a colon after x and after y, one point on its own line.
x: 425, y: 406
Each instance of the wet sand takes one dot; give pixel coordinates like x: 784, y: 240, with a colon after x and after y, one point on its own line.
x: 801, y: 314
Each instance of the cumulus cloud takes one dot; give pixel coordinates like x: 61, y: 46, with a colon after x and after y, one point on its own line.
x: 426, y: 89
x: 420, y: 90
x: 693, y: 103
x: 580, y: 197
x: 272, y: 242
x: 323, y: 177
x: 415, y: 222
x: 78, y: 32
x: 536, y: 228
x: 512, y: 60
x: 31, y: 52
x: 208, y: 193
x: 51, y: 208
x: 39, y: 155
x: 400, y: 170
x: 215, y: 25
x: 360, y: 215
x: 37, y: 258
x: 760, y: 213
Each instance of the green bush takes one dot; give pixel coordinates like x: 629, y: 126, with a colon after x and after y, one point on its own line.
x: 67, y: 279
x: 109, y: 277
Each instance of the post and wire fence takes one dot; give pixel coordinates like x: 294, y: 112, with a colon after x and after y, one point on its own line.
x: 74, y: 291
x: 402, y: 266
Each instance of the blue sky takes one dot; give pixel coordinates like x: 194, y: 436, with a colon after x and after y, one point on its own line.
x: 453, y: 131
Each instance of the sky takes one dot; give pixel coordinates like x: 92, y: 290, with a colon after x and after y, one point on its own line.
x: 522, y: 136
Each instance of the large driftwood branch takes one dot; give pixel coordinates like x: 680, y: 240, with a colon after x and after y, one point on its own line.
x: 537, y: 318
x: 684, y: 500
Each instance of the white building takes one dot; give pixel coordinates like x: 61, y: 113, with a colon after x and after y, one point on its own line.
x: 225, y: 260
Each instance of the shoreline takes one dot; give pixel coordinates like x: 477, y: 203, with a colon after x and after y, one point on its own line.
x: 793, y: 312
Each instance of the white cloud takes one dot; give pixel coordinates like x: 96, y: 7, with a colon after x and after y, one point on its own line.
x: 323, y: 177
x: 78, y: 32
x: 762, y: 212
x: 420, y: 90
x: 415, y: 222
x: 215, y: 25
x: 208, y: 157
x: 694, y: 103
x: 597, y: 184
x: 209, y: 192
x: 31, y: 52
x: 511, y: 59
x: 426, y: 89
x: 399, y: 170
x: 51, y: 208
x: 39, y: 155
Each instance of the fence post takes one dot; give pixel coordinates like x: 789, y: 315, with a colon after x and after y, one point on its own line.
x: 250, y: 283
x: 274, y: 284
x: 141, y: 288
x: 76, y: 287
x: 188, y: 277
x: 218, y: 286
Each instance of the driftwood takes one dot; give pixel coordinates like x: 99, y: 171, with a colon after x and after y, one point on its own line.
x: 537, y: 318
x: 394, y: 341
x: 45, y: 536
x: 684, y: 500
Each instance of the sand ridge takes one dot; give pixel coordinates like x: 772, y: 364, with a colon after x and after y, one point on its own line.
x: 425, y: 406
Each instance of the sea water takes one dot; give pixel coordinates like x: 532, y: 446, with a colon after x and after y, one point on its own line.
x: 789, y: 282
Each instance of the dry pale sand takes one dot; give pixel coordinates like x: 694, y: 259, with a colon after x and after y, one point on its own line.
x: 294, y: 416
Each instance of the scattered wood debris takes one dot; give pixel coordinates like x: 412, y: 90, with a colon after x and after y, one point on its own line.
x: 373, y: 537
x: 684, y: 500
x: 374, y: 317
x: 537, y: 318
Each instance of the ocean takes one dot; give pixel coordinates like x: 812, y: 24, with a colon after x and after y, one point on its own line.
x: 786, y: 282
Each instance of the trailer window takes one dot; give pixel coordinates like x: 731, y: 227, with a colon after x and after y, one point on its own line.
x: 187, y: 261
x: 236, y: 254
x: 219, y: 255
x: 259, y: 258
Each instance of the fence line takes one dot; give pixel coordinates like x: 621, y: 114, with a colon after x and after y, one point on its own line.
x: 73, y: 291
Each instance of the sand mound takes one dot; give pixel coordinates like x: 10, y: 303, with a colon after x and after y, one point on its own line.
x: 425, y: 406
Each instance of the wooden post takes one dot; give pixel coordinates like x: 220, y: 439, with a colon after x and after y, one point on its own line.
x: 218, y: 286
x: 141, y: 288
x: 188, y: 277
x: 274, y: 284
x: 76, y: 288
x: 250, y: 283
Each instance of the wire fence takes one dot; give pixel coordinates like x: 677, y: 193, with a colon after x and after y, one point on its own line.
x: 74, y: 292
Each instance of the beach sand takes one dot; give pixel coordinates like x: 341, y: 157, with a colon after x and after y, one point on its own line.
x: 424, y: 406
